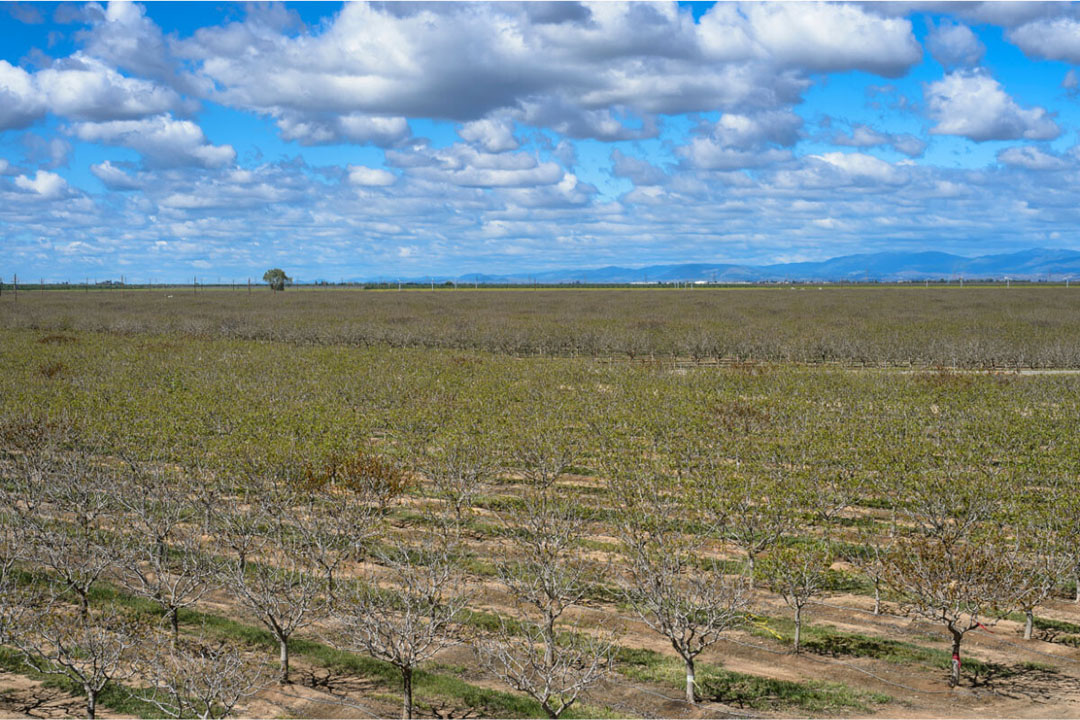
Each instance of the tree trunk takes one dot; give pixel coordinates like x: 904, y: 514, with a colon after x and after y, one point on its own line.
x: 798, y: 626
x: 91, y: 703
x: 549, y: 641
x: 174, y: 621
x: 690, y: 680
x: 1077, y: 579
x: 284, y: 644
x: 406, y: 693
x: 877, y: 597
x: 954, y: 675
x: 1029, y: 620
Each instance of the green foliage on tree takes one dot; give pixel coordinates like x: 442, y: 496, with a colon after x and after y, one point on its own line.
x: 276, y: 278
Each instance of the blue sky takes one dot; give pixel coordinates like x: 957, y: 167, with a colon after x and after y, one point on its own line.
x: 381, y: 140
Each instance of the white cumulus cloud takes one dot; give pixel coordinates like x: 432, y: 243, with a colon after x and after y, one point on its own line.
x: 1030, y: 158
x: 827, y: 37
x: 46, y: 184
x: 370, y: 177
x: 20, y: 102
x: 975, y: 106
x: 1050, y: 38
x: 163, y: 140
x: 114, y: 177
x: 955, y: 45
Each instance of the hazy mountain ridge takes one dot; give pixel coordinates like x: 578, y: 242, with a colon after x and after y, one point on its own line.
x: 1035, y: 264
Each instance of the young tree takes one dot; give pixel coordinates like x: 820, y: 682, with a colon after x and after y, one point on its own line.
x: 14, y: 599
x: 63, y: 514
x: 407, y: 621
x: 757, y: 512
x: 174, y: 579
x: 689, y: 605
x: 276, y: 279
x: 283, y: 590
x: 338, y: 509
x: 961, y: 585
x: 195, y: 678
x: 1062, y: 514
x: 457, y: 465
x: 1038, y: 564
x: 797, y: 574
x: 91, y: 649
x: 545, y: 575
x: 868, y: 553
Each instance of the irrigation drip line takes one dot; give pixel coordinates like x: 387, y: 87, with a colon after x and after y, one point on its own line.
x: 844, y: 607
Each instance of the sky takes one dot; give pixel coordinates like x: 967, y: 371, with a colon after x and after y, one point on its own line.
x: 167, y: 141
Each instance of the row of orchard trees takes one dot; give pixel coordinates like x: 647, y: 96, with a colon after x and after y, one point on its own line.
x: 309, y: 548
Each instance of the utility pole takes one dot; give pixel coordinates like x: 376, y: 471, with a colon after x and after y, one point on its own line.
x: 195, y: 285
x: 249, y: 286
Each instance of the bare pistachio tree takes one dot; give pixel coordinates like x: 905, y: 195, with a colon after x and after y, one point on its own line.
x: 950, y: 504
x: 1039, y: 566
x: 91, y: 649
x: 675, y: 588
x: 1063, y: 517
x: 155, y: 503
x: 546, y: 451
x: 14, y: 598
x: 832, y: 492
x: 67, y: 503
x: 174, y: 579
x: 281, y: 588
x: 796, y: 574
x: 407, y: 620
x: 545, y: 574
x: 337, y: 509
x: 867, y: 553
x: 243, y: 529
x: 757, y: 512
x: 195, y: 678
x: 961, y: 585
x: 457, y: 466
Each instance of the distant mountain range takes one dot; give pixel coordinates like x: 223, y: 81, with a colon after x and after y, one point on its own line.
x: 1037, y: 264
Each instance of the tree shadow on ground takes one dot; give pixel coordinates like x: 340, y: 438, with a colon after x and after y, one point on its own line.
x: 1032, y: 681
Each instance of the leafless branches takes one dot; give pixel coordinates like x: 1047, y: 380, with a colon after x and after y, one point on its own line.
x: 409, y: 619
x: 196, y: 678
x: 545, y: 575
